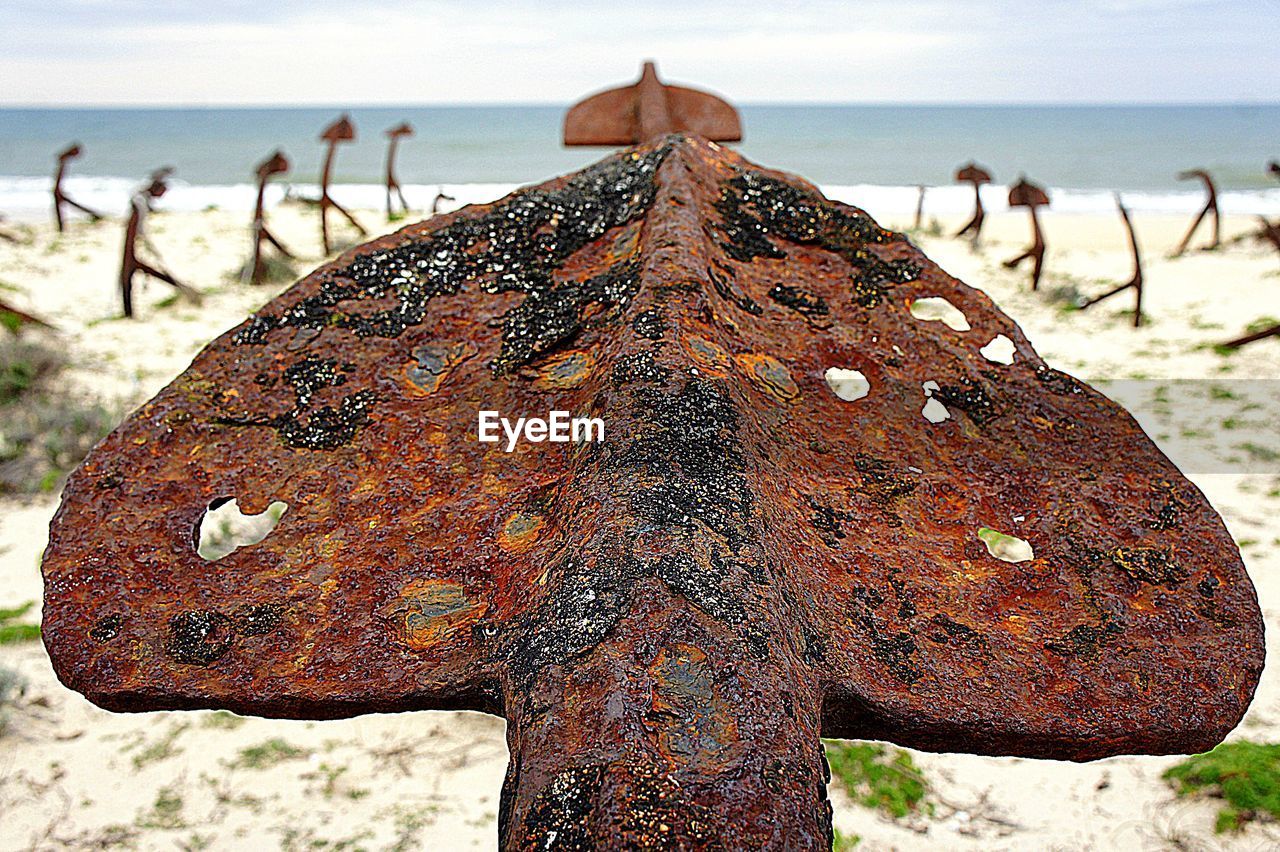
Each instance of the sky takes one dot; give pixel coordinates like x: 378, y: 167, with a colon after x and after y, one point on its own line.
x: 223, y: 52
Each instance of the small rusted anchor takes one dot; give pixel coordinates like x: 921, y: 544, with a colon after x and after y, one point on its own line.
x: 394, y: 135
x: 341, y: 130
x: 974, y: 174
x: 60, y: 197
x: 648, y: 108
x: 1136, y: 281
x: 435, y: 203
x: 1026, y: 194
x: 135, y: 232
x: 1210, y: 206
x: 276, y: 164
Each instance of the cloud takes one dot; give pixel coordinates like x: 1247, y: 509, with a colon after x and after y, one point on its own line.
x: 440, y: 51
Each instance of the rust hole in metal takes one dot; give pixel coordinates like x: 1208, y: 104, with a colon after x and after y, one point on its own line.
x: 1005, y: 547
x: 934, y: 410
x: 1000, y: 350
x: 849, y: 385
x: 938, y: 309
x: 223, y: 528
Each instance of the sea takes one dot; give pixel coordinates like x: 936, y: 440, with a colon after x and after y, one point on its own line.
x: 871, y: 156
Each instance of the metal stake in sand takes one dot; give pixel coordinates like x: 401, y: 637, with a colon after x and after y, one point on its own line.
x: 435, y: 202
x: 670, y: 620
x: 1026, y: 194
x: 135, y: 233
x: 974, y: 174
x: 920, y: 206
x: 1210, y: 206
x: 1136, y: 281
x: 60, y: 197
x: 276, y: 164
x: 340, y: 131
x: 394, y: 135
x: 1270, y: 331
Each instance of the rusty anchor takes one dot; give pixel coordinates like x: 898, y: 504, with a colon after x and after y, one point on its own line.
x: 437, y: 201
x: 1135, y: 282
x: 60, y: 197
x: 341, y: 130
x: 974, y: 174
x: 394, y: 135
x: 135, y: 234
x: 670, y: 619
x: 648, y: 108
x: 1210, y: 207
x: 1026, y: 194
x: 275, y: 164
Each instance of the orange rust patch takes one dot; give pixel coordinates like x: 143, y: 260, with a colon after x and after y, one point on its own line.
x: 430, y: 613
x: 432, y: 364
x: 710, y: 357
x: 692, y: 721
x: 520, y: 532
x: 769, y: 373
x: 567, y: 370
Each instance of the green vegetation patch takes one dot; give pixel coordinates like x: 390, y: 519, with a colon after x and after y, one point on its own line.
x: 12, y: 631
x: 879, y: 777
x: 44, y: 432
x: 268, y: 754
x: 1244, y: 774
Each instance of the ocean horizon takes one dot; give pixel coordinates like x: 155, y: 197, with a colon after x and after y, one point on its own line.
x: 870, y: 155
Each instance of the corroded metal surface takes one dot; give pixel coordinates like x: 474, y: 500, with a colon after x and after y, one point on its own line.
x: 667, y: 619
x: 649, y: 108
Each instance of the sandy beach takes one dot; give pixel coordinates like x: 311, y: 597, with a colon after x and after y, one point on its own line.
x: 74, y: 776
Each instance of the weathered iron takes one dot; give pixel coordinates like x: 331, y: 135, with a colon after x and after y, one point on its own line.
x: 60, y: 197
x: 341, y: 130
x: 394, y: 135
x: 1253, y: 337
x: 668, y: 619
x: 1026, y: 194
x: 649, y: 108
x: 1210, y: 206
x: 276, y: 164
x: 974, y: 174
x: 1135, y: 282
x: 135, y: 233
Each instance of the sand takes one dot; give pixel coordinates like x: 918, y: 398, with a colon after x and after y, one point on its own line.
x: 72, y: 775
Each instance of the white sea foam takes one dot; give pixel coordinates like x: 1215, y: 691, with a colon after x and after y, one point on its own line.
x: 886, y: 201
x: 28, y: 197
x: 23, y: 198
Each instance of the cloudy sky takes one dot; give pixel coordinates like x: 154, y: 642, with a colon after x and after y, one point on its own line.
x: 70, y: 52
